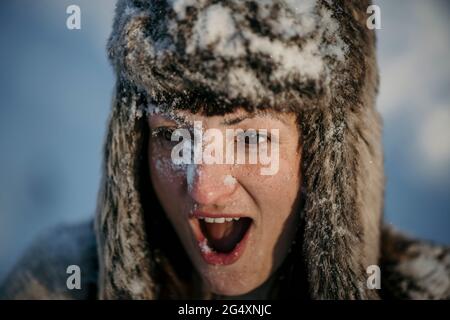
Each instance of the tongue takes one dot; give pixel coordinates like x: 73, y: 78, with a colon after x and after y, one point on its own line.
x: 223, y: 237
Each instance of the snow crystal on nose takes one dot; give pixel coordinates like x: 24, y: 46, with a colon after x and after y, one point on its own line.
x: 229, y: 180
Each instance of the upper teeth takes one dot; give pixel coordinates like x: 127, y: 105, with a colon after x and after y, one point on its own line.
x: 217, y: 220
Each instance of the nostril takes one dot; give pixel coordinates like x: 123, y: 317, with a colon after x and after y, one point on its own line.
x: 204, y: 196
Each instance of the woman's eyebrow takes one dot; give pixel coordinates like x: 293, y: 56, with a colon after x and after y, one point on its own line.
x: 233, y: 121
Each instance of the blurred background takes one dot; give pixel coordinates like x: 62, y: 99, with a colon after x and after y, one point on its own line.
x: 56, y: 86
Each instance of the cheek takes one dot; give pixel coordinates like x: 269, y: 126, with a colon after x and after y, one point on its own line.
x: 288, y: 180
x: 277, y: 197
x: 266, y: 189
x: 162, y: 170
x: 167, y: 179
x: 168, y: 183
x: 280, y: 213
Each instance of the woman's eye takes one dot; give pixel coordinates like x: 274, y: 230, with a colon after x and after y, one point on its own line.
x: 163, y: 133
x: 262, y: 138
x: 167, y: 134
x: 253, y: 138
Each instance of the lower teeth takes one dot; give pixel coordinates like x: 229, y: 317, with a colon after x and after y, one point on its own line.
x: 223, y: 237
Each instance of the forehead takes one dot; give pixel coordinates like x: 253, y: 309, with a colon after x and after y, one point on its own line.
x: 185, y: 117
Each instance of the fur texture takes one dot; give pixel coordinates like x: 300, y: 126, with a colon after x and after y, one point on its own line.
x: 314, y: 58
x: 166, y: 53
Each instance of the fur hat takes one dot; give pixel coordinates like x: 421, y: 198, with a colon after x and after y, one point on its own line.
x: 314, y: 58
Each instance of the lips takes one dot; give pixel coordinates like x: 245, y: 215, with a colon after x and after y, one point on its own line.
x: 221, y: 238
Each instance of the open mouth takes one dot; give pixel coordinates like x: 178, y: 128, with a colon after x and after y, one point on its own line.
x: 223, y: 234
x: 221, y: 239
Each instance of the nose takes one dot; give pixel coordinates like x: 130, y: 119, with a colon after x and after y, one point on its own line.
x: 210, y: 184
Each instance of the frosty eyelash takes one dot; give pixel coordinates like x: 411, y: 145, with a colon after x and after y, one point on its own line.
x: 163, y: 132
x: 259, y: 138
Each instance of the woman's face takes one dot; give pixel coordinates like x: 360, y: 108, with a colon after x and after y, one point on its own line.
x: 236, y: 219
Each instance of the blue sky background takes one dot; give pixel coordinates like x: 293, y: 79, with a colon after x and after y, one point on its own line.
x: 56, y: 88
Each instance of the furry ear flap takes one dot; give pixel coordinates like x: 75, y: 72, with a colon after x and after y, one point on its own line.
x: 343, y: 170
x: 337, y: 243
x: 125, y: 258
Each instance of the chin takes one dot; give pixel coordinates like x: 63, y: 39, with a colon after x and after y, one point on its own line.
x: 232, y: 283
x: 230, y: 288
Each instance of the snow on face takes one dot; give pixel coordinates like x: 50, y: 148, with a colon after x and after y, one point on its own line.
x: 170, y: 170
x: 229, y: 180
x: 190, y: 175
